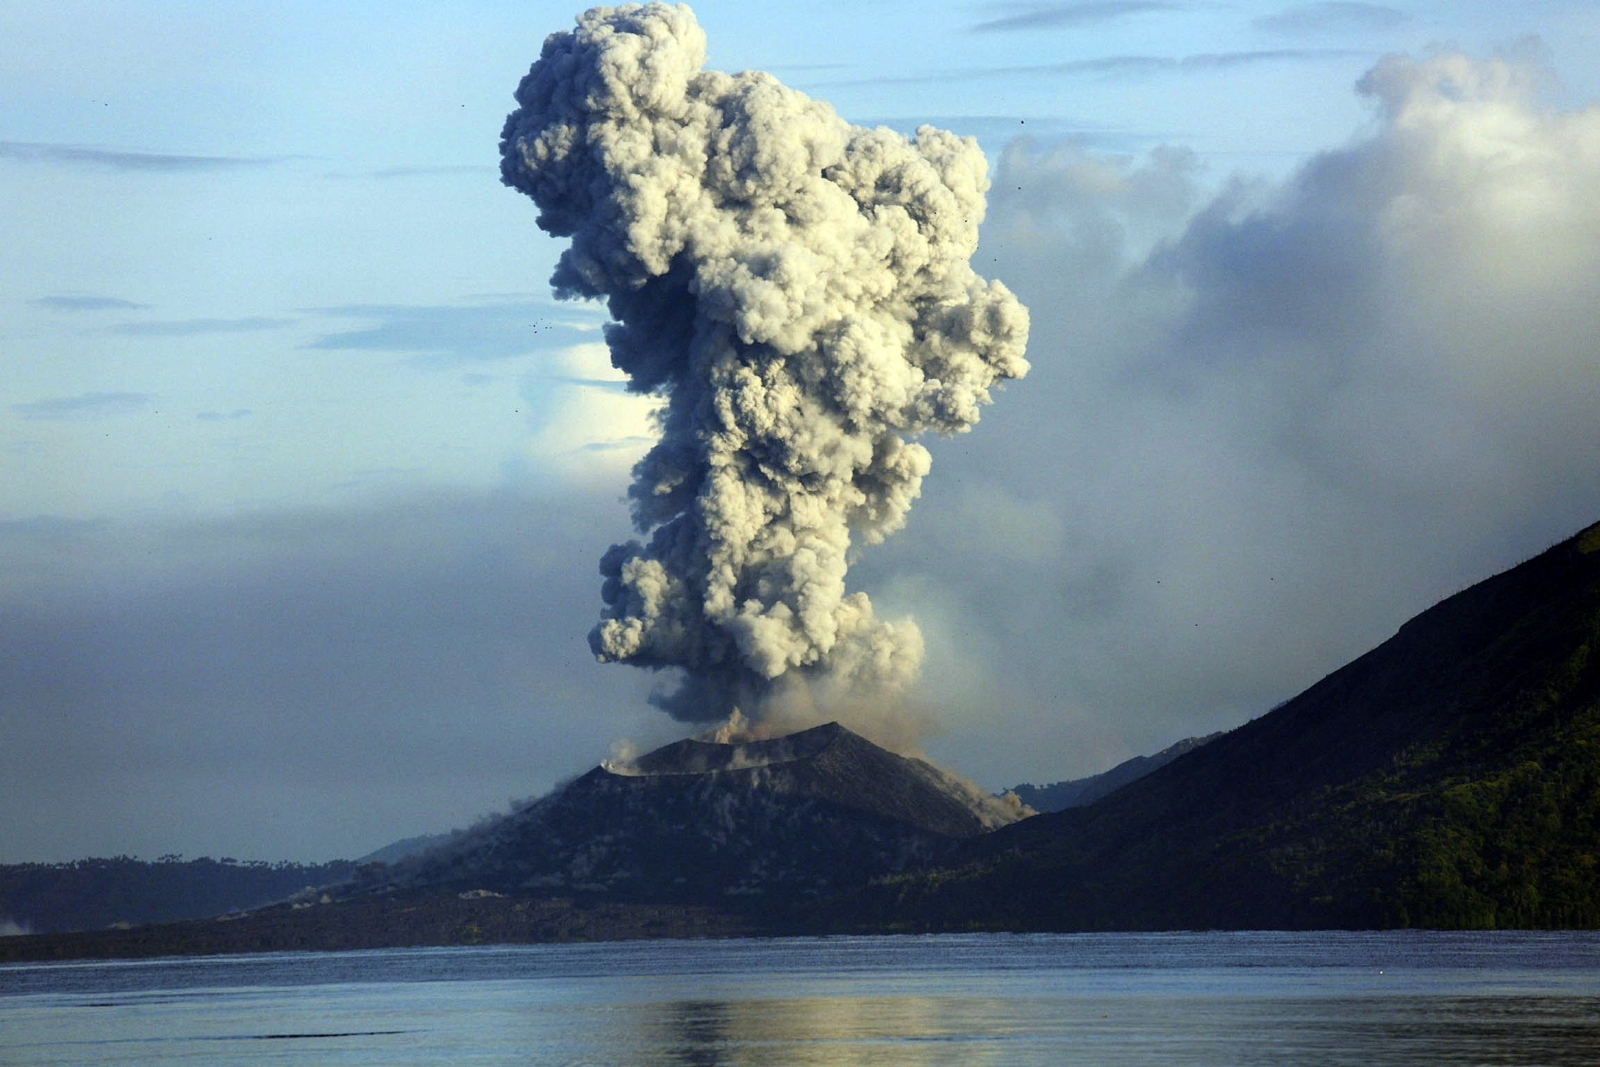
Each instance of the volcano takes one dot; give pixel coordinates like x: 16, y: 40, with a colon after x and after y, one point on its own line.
x: 777, y: 823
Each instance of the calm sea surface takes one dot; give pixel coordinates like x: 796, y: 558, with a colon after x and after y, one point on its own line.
x: 1159, y: 999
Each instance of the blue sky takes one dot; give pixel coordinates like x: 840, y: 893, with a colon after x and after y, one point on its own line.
x: 304, y: 475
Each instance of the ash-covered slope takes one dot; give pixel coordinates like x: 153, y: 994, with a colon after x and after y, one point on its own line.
x: 773, y: 823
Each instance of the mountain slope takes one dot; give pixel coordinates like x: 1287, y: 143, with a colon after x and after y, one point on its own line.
x: 405, y: 848
x: 1449, y: 778
x: 1076, y: 792
x: 769, y: 823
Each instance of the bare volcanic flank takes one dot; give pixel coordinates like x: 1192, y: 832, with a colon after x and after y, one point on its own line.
x: 779, y: 822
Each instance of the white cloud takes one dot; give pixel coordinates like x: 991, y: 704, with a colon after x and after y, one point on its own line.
x: 1311, y: 411
x: 590, y: 427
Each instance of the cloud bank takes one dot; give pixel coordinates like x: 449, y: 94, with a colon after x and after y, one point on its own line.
x: 84, y: 406
x: 121, y: 159
x: 1279, y: 419
x: 257, y: 685
x: 1332, y: 16
x: 1026, y: 17
x: 86, y: 303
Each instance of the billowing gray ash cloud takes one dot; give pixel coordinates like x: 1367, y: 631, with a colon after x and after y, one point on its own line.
x: 798, y: 290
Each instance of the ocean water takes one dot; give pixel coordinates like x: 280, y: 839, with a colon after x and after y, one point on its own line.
x: 1234, y: 999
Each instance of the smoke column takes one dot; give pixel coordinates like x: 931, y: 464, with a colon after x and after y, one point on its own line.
x: 799, y: 292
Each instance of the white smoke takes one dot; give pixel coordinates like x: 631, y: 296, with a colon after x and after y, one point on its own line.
x: 798, y: 290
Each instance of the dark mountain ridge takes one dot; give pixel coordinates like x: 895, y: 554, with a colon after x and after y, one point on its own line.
x: 1448, y: 778
x: 91, y: 894
x: 1076, y: 792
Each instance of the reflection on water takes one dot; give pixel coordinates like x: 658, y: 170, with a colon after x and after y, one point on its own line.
x: 1188, y: 999
x: 918, y: 1031
x: 823, y: 1030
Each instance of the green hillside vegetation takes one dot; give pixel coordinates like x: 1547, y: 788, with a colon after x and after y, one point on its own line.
x: 1450, y: 778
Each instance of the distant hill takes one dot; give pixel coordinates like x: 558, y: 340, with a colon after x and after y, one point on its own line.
x: 693, y: 840
x: 1075, y: 793
x: 92, y: 894
x: 784, y: 821
x: 405, y: 848
x: 1448, y: 778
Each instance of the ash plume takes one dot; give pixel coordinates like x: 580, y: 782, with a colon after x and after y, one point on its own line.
x: 798, y: 291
